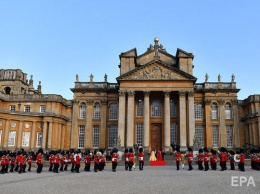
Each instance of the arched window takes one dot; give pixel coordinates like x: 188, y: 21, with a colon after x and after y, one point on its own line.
x: 139, y: 108
x: 82, y: 111
x: 97, y: 111
x: 113, y: 111
x: 214, y: 111
x: 198, y: 111
x: 173, y: 111
x: 156, y: 108
x: 7, y: 90
x: 228, y: 111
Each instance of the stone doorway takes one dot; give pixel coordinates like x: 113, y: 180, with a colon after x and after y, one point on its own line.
x: 156, y: 136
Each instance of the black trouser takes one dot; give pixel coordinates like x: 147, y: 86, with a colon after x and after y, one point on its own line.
x: 225, y: 165
x: 126, y: 165
x: 61, y: 167
x: 29, y: 168
x: 6, y: 168
x: 213, y: 165
x: 222, y: 165
x: 96, y: 166
x: 72, y: 167
x: 101, y: 166
x: 77, y: 168
x: 12, y: 168
x: 178, y: 165
x: 200, y: 166
x: 87, y: 167
x: 39, y: 169
x: 24, y: 167
x: 242, y: 166
x: 66, y: 167
x: 56, y: 168
x: 141, y: 165
x: 232, y: 165
x: 16, y: 167
x: 130, y: 166
x: 114, y: 165
x: 3, y: 168
x: 51, y: 166
x: 206, y: 165
x: 20, y: 168
x: 190, y: 166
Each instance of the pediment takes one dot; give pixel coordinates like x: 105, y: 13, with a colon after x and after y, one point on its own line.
x: 157, y: 71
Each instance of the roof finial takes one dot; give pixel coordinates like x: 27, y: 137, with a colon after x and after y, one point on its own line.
x: 156, y: 47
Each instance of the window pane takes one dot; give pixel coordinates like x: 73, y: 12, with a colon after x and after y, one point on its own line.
x: 97, y: 111
x: 11, y: 140
x: 26, y: 108
x: 156, y: 108
x: 173, y: 133
x: 215, y: 136
x: 139, y: 108
x: 112, y: 136
x: 228, y: 111
x: 0, y: 137
x: 42, y: 109
x: 81, y: 136
x: 113, y: 111
x: 229, y: 136
x: 39, y: 139
x: 199, y: 135
x: 173, y: 111
x: 198, y: 111
x: 12, y: 108
x: 139, y: 134
x: 214, y: 111
x: 96, y: 136
x: 26, y: 138
x: 82, y: 111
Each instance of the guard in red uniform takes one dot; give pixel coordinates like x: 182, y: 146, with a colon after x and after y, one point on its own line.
x: 66, y: 161
x: 12, y: 162
x: 29, y: 162
x: 141, y: 158
x: 19, y: 159
x: 56, y: 162
x: 213, y: 160
x: 190, y: 158
x: 231, y: 159
x: 131, y: 158
x: 101, y: 160
x: 7, y: 158
x: 87, y: 161
x: 62, y: 161
x: 126, y: 159
x: 242, y: 161
x: 2, y: 155
x: 39, y: 160
x: 206, y: 159
x: 77, y: 159
x: 178, y: 158
x: 200, y: 157
x: 24, y: 161
x: 96, y: 160
x: 72, y: 160
x: 222, y: 158
x: 114, y: 159
x: 51, y: 159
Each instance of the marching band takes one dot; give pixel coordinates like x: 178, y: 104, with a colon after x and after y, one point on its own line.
x: 59, y: 160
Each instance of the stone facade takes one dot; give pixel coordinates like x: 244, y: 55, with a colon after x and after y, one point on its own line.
x: 156, y: 102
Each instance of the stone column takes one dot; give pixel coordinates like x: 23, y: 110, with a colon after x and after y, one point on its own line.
x: 167, y: 116
x: 103, y: 134
x: 60, y: 136
x: 6, y: 133
x: 20, y: 135
x: 32, y: 144
x: 146, y: 138
x: 258, y: 132
x: 236, y: 130
x: 182, y: 109
x: 130, y: 119
x: 255, y: 134
x: 121, y: 117
x: 191, y: 117
x: 63, y: 131
x: 49, y: 136
x: 74, y: 126
x: 44, y: 134
x: 250, y: 133
x: 89, y: 126
x: 222, y: 125
x: 208, y: 127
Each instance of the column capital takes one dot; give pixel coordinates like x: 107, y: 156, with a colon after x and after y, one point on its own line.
x: 103, y: 102
x: 75, y: 102
x: 147, y: 93
x: 234, y: 102
x: 221, y: 101
x: 182, y: 93
x: 131, y: 93
x: 190, y: 93
x: 167, y: 93
x: 207, y: 101
x: 89, y: 102
x: 121, y: 92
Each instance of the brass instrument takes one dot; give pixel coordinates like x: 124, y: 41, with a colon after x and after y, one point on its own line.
x: 237, y: 158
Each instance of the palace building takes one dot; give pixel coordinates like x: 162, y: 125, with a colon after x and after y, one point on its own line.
x: 155, y: 102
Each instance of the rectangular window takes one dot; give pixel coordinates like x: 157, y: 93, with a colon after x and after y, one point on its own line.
x: 139, y: 134
x: 11, y: 139
x: 96, y: 136
x: 198, y: 111
x: 173, y: 137
x: 42, y: 109
x: 0, y: 137
x: 229, y: 136
x: 81, y: 136
x: 27, y: 108
x: 39, y: 139
x: 12, y: 107
x: 215, y: 136
x: 26, y: 139
x: 199, y: 135
x: 112, y: 136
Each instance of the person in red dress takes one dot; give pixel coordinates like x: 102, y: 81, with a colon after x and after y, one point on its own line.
x: 114, y: 159
x: 178, y: 159
x: 141, y: 158
x: 190, y: 158
x: 126, y: 159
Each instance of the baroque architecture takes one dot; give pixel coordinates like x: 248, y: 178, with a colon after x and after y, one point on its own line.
x: 155, y: 102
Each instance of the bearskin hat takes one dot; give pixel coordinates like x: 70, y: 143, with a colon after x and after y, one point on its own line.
x: 222, y: 149
x: 214, y: 152
x: 211, y: 151
x: 237, y: 152
x: 141, y: 149
x: 71, y: 151
x: 115, y: 150
x: 232, y: 152
x: 40, y: 151
x: 126, y: 150
x: 131, y: 150
x: 242, y: 151
x: 205, y: 150
x: 102, y: 151
x: 78, y: 151
x: 200, y: 151
x: 190, y: 149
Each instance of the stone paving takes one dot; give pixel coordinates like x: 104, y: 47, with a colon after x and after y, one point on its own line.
x: 163, y: 179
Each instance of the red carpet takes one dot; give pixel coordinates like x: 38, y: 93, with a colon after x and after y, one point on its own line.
x: 158, y: 163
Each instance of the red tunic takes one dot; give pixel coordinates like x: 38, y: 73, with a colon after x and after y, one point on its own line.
x: 51, y: 159
x: 206, y: 157
x: 141, y: 156
x: 178, y: 157
x: 56, y: 159
x: 242, y: 158
x: 190, y: 156
x: 77, y: 161
x: 200, y: 157
x: 114, y: 157
x: 29, y: 160
x: 131, y: 157
x: 214, y: 159
x: 39, y: 159
x: 3, y: 160
x: 222, y: 157
x: 12, y: 160
x: 96, y: 159
x: 126, y: 157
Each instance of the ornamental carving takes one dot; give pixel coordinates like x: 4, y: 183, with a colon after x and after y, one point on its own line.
x: 147, y: 93
x: 221, y: 101
x: 130, y: 93
x: 207, y: 101
x: 103, y: 101
x: 89, y: 102
x: 27, y: 125
x: 121, y: 93
x: 234, y: 102
x: 190, y: 93
x: 155, y: 72
x: 167, y: 93
x: 182, y: 93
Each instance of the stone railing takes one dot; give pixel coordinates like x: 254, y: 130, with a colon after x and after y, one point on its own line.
x: 215, y: 85
x: 103, y: 85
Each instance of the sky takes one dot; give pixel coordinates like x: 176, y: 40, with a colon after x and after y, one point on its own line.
x: 54, y: 40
